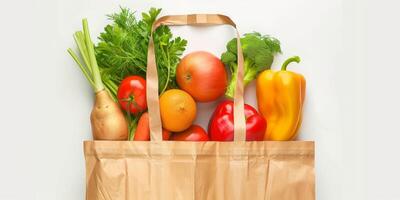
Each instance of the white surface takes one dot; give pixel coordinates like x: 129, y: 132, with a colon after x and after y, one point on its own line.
x: 348, y: 50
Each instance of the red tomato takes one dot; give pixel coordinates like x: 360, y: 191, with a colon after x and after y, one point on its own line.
x: 202, y: 75
x: 132, y: 94
x: 193, y: 133
x: 166, y: 134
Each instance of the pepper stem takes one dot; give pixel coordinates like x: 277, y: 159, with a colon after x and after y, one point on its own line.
x: 289, y: 60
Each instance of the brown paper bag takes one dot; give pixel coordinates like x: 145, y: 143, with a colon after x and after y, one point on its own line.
x: 238, y: 170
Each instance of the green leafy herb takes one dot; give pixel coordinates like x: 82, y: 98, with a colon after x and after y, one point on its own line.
x: 122, y: 50
x: 258, y: 52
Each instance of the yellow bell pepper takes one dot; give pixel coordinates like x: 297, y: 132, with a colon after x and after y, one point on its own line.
x: 280, y: 97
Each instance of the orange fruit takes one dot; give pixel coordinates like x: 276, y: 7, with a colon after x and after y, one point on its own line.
x: 177, y: 109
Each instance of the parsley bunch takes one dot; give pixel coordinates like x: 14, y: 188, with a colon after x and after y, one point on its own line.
x: 122, y: 50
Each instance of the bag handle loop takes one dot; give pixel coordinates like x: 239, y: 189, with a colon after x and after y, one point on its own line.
x: 152, y: 78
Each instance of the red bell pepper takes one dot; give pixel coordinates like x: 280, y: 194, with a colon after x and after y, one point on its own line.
x: 220, y: 127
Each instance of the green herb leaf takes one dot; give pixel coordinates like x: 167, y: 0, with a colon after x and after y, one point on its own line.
x: 122, y: 50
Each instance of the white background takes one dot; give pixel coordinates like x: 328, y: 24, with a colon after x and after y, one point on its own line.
x: 349, y: 51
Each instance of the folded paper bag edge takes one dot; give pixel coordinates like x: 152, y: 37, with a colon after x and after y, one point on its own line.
x: 267, y: 148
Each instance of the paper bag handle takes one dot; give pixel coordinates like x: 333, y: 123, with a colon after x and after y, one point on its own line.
x: 152, y: 78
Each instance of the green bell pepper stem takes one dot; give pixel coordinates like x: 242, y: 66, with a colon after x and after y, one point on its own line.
x: 290, y: 60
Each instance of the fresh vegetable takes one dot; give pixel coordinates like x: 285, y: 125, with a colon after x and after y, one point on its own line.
x: 177, y: 109
x: 142, y: 132
x: 280, y: 98
x: 258, y: 52
x: 202, y: 75
x: 107, y: 120
x: 221, y: 126
x: 166, y: 134
x: 122, y: 50
x: 193, y: 133
x: 132, y: 94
